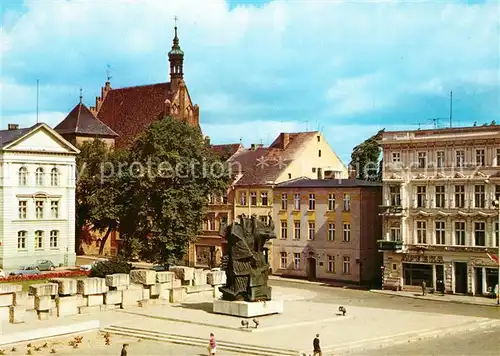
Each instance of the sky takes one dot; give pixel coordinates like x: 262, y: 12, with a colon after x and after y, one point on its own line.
x: 256, y: 68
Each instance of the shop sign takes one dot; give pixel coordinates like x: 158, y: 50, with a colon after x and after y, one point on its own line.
x: 422, y: 258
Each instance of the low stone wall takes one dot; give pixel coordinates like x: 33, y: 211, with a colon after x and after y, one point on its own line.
x: 62, y: 297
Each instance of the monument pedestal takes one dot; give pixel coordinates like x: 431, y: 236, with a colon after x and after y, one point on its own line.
x: 247, y: 309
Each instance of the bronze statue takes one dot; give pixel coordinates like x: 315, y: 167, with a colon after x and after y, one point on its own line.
x: 247, y: 270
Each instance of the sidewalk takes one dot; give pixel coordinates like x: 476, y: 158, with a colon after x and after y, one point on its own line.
x: 459, y: 299
x: 328, y: 283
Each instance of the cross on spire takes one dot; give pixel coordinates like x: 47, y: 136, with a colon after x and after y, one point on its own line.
x: 175, y: 20
x: 81, y: 95
x: 108, y: 72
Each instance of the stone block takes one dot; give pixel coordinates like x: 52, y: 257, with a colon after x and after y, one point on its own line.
x: 90, y: 310
x: 200, y: 277
x: 216, y: 278
x: 4, y: 314
x: 177, y: 295
x: 30, y: 316
x: 89, y: 286
x: 6, y: 288
x: 109, y: 307
x: 95, y: 299
x: 146, y: 277
x: 119, y: 288
x: 183, y: 273
x: 164, y: 294
x: 16, y: 314
x: 24, y: 299
x: 247, y: 309
x: 117, y: 280
x: 155, y: 289
x: 199, y: 289
x: 43, y: 314
x: 136, y: 286
x: 113, y: 297
x: 165, y: 276
x: 43, y: 302
x: 6, y: 300
x: 67, y: 286
x: 44, y: 289
x: 130, y: 297
x: 217, y: 293
x: 146, y: 294
x: 68, y: 305
x: 150, y: 302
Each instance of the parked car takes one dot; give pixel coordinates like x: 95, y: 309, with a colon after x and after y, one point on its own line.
x: 25, y: 271
x: 159, y: 268
x: 2, y: 273
x: 45, y: 265
x: 88, y: 267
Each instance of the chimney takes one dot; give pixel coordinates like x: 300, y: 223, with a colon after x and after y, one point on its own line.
x: 207, y: 140
x: 284, y: 139
x: 252, y: 147
x: 12, y: 126
x: 260, y: 145
x: 320, y: 173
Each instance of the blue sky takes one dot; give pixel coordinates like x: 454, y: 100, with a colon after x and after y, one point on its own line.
x: 257, y: 68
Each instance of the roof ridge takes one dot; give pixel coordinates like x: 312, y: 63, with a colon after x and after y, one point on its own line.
x: 78, y: 116
x: 139, y: 86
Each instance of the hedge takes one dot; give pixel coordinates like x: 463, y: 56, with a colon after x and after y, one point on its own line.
x: 34, y: 277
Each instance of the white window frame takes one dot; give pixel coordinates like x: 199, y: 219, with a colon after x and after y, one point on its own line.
x: 346, y: 236
x: 421, y: 231
x: 331, y: 202
x: 21, y: 239
x: 459, y: 158
x: 253, y: 199
x: 439, y: 196
x: 264, y: 199
x: 283, y: 260
x: 459, y: 197
x: 440, y: 159
x: 312, y: 201
x: 347, y: 202
x: 39, y: 243
x: 284, y: 230
x: 479, y: 196
x: 39, y: 208
x: 39, y: 176
x: 23, y: 176
x: 296, y: 261
x: 296, y: 230
x: 476, y: 230
x: 395, y: 233
x: 54, y: 239
x: 284, y: 201
x: 422, y: 159
x: 459, y: 234
x: 54, y: 177
x: 22, y: 209
x: 331, y: 231
x: 54, y: 209
x: 296, y: 201
x: 331, y: 264
x: 311, y: 230
x: 440, y: 232
x: 346, y: 265
x: 396, y: 157
x: 480, y: 157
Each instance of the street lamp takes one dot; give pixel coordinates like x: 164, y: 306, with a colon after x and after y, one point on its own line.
x: 496, y: 204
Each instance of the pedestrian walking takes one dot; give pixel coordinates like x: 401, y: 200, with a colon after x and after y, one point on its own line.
x: 316, y: 347
x: 423, y: 287
x: 124, y: 350
x: 212, y: 345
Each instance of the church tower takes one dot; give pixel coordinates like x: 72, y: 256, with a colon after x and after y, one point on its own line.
x: 176, y: 59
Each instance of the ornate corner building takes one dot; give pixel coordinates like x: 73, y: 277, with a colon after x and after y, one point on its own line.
x: 439, y: 222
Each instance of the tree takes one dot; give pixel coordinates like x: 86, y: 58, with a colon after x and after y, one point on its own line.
x: 99, y: 190
x: 171, y: 172
x: 365, y: 158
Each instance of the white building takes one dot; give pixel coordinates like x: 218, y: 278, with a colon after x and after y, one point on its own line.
x: 439, y: 221
x: 37, y: 197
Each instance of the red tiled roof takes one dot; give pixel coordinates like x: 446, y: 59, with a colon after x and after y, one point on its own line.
x: 129, y: 111
x: 82, y: 122
x: 227, y: 150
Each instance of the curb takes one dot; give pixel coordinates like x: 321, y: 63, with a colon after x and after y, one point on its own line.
x: 432, y: 299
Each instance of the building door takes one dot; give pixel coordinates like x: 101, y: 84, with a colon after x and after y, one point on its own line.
x: 440, y: 278
x: 478, y: 271
x: 311, y: 268
x: 460, y: 277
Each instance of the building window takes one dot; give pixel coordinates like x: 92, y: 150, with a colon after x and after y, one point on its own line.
x: 459, y: 196
x: 460, y: 233
x: 319, y: 138
x: 498, y: 157
x: 284, y: 201
x: 284, y: 229
x: 479, y: 198
x: 39, y: 209
x: 331, y: 264
x: 440, y: 159
x: 347, y: 232
x: 496, y: 234
x: 460, y: 158
x: 54, y: 177
x: 422, y: 159
x: 211, y: 223
x: 296, y: 201
x: 331, y: 201
x: 263, y: 198
x: 480, y: 158
x: 312, y: 202
x: 314, y: 169
x: 289, y: 175
x: 253, y: 198
x: 21, y: 240
x: 211, y: 199
x: 319, y: 153
x: 440, y: 194
x: 296, y: 260
x: 395, y: 233
x: 396, y: 157
x: 331, y: 232
x: 23, y: 176
x: 479, y: 239
x: 440, y: 231
x: 54, y: 209
x: 346, y: 265
x: 264, y: 219
x: 223, y: 219
x: 312, y: 230
x: 347, y: 202
x: 395, y: 195
x: 296, y: 230
x: 243, y: 198
x: 224, y: 198
x: 497, y: 192
x: 421, y: 193
x: 283, y: 260
x: 421, y: 232
x: 38, y: 239
x: 39, y: 176
x: 23, y: 209
x: 54, y: 239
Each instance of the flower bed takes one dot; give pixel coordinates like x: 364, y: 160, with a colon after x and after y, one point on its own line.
x: 33, y: 277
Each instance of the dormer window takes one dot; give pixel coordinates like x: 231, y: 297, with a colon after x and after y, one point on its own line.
x: 39, y: 176
x: 23, y: 176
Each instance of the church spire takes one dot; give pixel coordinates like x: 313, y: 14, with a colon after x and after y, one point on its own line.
x: 176, y: 59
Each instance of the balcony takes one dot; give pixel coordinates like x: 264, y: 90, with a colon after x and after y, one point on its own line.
x: 385, y: 245
x: 391, y: 210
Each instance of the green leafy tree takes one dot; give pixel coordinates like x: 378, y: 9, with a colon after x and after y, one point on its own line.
x: 365, y: 158
x: 171, y: 172
x: 99, y: 191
